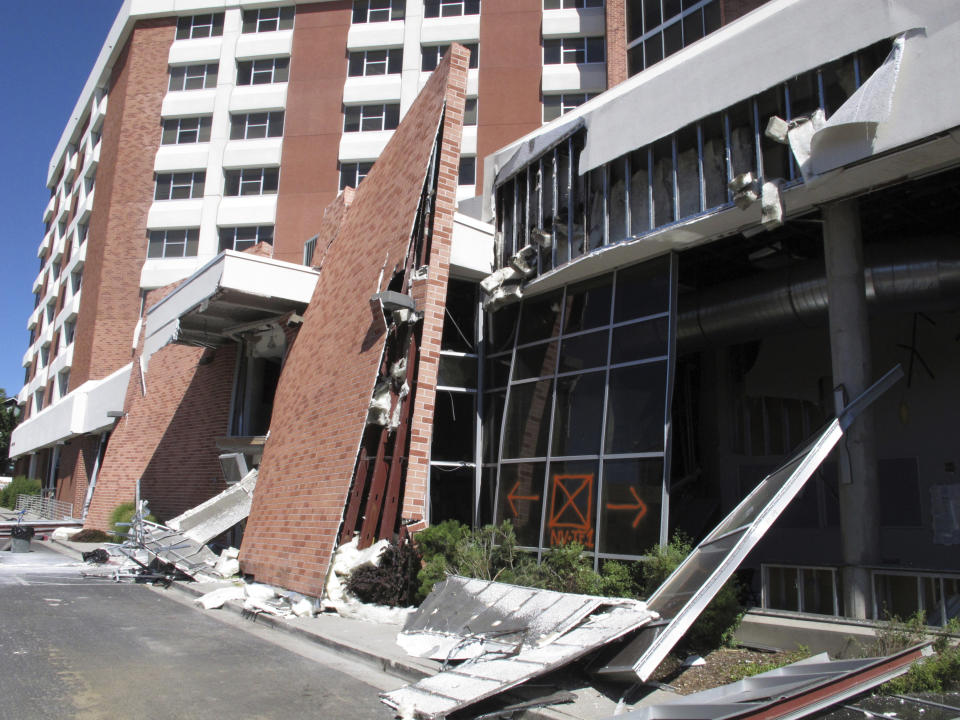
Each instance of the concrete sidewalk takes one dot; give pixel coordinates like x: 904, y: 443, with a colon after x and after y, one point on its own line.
x: 375, y: 644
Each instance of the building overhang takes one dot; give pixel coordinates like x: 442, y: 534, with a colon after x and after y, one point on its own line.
x: 471, y: 252
x: 232, y: 293
x: 92, y: 407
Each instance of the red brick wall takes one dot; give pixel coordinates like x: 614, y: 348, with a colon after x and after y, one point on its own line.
x: 76, y: 463
x: 313, y: 122
x: 116, y: 243
x: 323, y: 394
x: 167, y: 438
x: 616, y: 20
x: 511, y: 63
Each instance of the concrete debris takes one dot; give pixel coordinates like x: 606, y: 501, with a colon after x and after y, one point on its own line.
x: 542, y: 238
x: 302, y: 608
x: 777, y: 129
x: 502, y: 287
x: 217, y: 598
x: 63, y: 533
x: 218, y: 514
x: 744, y: 189
x: 771, y: 205
x: 228, y: 564
x: 379, y: 411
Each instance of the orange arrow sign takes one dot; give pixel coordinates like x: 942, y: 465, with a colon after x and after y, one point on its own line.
x: 640, y: 506
x: 513, y: 496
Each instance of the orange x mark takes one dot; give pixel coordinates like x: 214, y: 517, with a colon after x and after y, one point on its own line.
x: 560, y: 485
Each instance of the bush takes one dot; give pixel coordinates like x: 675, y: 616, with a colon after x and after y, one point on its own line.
x: 490, y: 553
x: 20, y: 485
x: 718, y: 621
x: 937, y: 673
x: 391, y: 582
x: 123, y: 513
x: 91, y: 536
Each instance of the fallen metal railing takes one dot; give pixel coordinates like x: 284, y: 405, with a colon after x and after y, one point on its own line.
x: 45, y: 508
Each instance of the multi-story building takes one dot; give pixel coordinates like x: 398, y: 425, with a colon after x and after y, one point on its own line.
x: 656, y: 293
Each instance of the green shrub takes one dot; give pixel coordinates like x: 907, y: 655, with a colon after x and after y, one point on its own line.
x: 938, y: 673
x: 20, y: 485
x: 123, y: 513
x: 718, y: 621
x: 490, y: 553
x: 91, y: 536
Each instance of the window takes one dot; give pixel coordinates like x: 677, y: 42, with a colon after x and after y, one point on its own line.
x: 556, y: 105
x: 570, y: 4
x: 468, y: 171
x: 242, y: 238
x: 51, y: 310
x: 431, y: 55
x: 375, y: 62
x: 200, y: 26
x: 193, y: 77
x: 179, y: 186
x: 173, y: 243
x: 251, y: 181
x: 63, y: 382
x: 370, y: 11
x: 69, y: 330
x: 261, y: 72
x: 38, y: 399
x: 470, y: 112
x: 352, y: 174
x: 308, y: 249
x: 44, y: 356
x: 182, y: 131
x: 256, y: 125
x: 76, y: 278
x: 268, y: 19
x: 656, y: 31
x: 364, y: 118
x: 573, y: 50
x: 450, y: 8
x: 81, y: 233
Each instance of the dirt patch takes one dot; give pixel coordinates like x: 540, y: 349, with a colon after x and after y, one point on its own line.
x: 721, y: 667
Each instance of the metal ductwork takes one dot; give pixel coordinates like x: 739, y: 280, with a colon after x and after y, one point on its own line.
x: 921, y: 274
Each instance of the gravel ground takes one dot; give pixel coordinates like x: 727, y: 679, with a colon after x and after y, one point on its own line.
x: 722, y: 666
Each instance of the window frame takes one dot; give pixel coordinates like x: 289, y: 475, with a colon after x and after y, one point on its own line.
x: 471, y: 112
x: 450, y: 8
x: 251, y: 72
x: 467, y: 162
x: 260, y: 233
x: 569, y: 48
x: 176, y: 125
x: 272, y: 125
x: 192, y: 27
x: 563, y: 105
x: 359, y: 171
x: 168, y: 239
x: 395, y: 10
x: 193, y: 180
x: 181, y: 75
x: 572, y: 4
x: 258, y: 20
x: 360, y: 60
x: 431, y: 55
x: 373, y: 117
x: 251, y: 181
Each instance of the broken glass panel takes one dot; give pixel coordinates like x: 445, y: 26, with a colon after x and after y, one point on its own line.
x: 492, y: 418
x: 451, y: 494
x: 528, y: 420
x: 617, y: 200
x: 578, y: 418
x: 776, y: 162
x: 688, y: 172
x: 460, y: 317
x: 743, y: 155
x: 541, y: 318
x: 663, y: 178
x: 630, y: 506
x: 562, y: 220
x: 453, y: 426
x: 519, y: 499
x: 497, y: 372
x: 546, y: 199
x: 596, y: 208
x: 639, y: 192
x: 714, y: 162
x: 501, y: 327
x: 458, y: 371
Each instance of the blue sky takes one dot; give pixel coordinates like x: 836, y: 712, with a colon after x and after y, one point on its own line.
x: 48, y: 48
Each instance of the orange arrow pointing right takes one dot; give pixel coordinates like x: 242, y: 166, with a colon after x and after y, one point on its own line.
x: 640, y: 506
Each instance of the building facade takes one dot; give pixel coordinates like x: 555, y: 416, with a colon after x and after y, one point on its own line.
x: 651, y: 294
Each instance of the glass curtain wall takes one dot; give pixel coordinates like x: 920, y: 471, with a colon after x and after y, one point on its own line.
x: 576, y: 429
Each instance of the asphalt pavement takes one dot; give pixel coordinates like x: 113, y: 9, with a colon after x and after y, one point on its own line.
x: 89, y: 648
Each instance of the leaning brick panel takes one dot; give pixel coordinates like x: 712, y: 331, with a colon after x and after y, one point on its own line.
x: 323, y: 394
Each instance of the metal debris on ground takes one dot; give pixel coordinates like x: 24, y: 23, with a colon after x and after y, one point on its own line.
x: 512, y: 634
x: 798, y: 690
x: 218, y: 514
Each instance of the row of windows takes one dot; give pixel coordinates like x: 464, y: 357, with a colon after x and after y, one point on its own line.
x: 184, y: 242
x: 254, y: 21
x: 245, y: 181
x: 246, y: 126
x: 572, y: 50
x: 353, y: 173
x: 371, y: 11
x: 390, y: 62
x: 249, y: 72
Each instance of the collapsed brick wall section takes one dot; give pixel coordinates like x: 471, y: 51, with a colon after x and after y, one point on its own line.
x: 167, y: 438
x: 117, y: 238
x: 321, y: 402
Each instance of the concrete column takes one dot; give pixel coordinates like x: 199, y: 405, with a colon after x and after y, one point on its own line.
x: 852, y: 374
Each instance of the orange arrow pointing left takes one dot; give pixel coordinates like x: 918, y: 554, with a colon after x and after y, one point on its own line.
x: 640, y: 506
x: 511, y: 496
